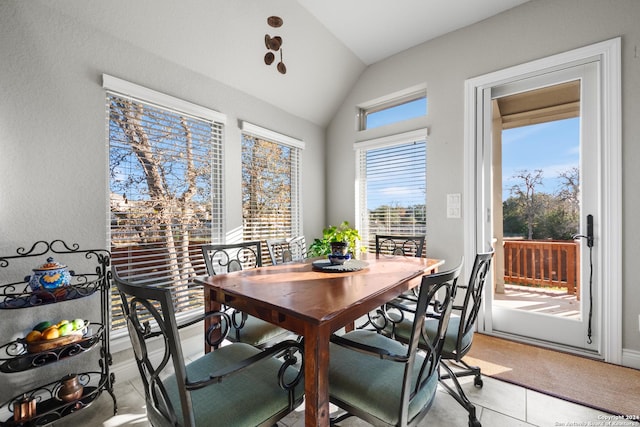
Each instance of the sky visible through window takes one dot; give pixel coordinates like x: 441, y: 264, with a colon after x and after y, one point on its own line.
x: 408, y: 110
x: 553, y: 147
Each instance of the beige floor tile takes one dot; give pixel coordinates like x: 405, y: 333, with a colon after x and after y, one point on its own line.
x: 498, y: 396
x: 546, y: 411
x: 491, y: 418
x: 446, y: 411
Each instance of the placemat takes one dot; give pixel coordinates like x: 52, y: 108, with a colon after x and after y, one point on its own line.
x: 349, y: 265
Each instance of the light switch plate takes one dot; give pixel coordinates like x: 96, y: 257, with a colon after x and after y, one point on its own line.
x: 453, y: 205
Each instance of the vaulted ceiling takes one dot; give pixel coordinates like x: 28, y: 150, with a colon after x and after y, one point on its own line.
x: 326, y: 44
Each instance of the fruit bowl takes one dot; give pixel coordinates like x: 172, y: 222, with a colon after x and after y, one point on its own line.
x: 44, y: 345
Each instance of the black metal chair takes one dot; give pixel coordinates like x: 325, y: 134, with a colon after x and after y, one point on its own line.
x: 392, y: 246
x: 384, y: 381
x: 287, y: 249
x: 395, y: 245
x: 227, y: 258
x: 459, y: 337
x: 236, y: 384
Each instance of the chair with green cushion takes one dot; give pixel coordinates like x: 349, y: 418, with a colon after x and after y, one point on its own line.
x: 227, y: 258
x: 384, y: 381
x: 234, y: 385
x: 459, y: 336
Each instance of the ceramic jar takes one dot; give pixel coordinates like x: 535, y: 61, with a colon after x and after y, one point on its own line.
x: 339, y: 253
x: 339, y: 248
x: 50, y: 275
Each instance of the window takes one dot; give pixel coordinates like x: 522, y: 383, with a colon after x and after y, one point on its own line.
x: 165, y: 176
x: 392, y: 186
x: 386, y: 112
x: 270, y: 185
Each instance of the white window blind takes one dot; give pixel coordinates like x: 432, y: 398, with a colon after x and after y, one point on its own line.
x: 392, y: 189
x: 270, y: 188
x: 165, y: 196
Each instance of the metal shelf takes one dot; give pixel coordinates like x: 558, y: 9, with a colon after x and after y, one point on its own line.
x: 19, y: 359
x: 50, y: 408
x: 15, y: 357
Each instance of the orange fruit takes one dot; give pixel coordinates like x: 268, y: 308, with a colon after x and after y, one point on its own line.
x: 51, y: 333
x: 33, y: 336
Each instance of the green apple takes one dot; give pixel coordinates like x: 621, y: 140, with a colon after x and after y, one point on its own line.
x: 65, y: 329
x: 78, y: 324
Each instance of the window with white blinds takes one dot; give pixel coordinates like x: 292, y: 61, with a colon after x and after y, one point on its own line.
x: 392, y: 188
x: 270, y: 185
x: 165, y: 178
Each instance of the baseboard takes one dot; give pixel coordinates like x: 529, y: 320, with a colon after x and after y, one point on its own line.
x: 631, y: 358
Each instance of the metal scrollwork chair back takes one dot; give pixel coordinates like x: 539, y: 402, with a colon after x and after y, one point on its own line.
x: 396, y: 245
x: 287, y: 249
x: 227, y: 258
x: 214, y: 388
x: 384, y: 381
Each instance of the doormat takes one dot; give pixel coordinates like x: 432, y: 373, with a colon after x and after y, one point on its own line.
x: 603, y: 386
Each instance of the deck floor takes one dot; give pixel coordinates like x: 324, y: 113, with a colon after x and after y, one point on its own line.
x: 540, y: 300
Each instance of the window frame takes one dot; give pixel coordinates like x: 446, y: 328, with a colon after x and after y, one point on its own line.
x: 259, y: 132
x: 390, y: 101
x: 361, y: 148
x: 123, y: 89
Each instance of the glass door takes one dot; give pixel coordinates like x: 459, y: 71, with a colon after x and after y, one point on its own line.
x: 545, y: 186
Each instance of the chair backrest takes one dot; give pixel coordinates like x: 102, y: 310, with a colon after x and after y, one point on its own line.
x: 287, y: 249
x: 435, y: 301
x: 149, y: 312
x: 394, y: 245
x: 472, y: 299
x: 227, y: 258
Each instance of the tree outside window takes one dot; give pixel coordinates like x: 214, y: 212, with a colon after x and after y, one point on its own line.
x: 165, y: 195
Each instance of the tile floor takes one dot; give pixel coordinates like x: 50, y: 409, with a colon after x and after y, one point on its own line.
x: 498, y: 404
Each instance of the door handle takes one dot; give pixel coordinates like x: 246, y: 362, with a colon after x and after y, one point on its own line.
x: 589, y: 235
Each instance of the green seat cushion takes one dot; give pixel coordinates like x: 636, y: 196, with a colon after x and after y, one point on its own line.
x: 372, y: 384
x: 257, y: 332
x: 244, y: 399
x: 403, y: 332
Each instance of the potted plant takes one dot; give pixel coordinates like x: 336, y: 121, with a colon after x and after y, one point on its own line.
x: 343, y: 237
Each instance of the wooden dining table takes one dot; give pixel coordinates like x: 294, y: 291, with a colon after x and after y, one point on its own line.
x: 314, y: 303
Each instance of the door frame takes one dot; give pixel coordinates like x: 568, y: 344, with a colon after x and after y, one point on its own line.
x: 477, y: 229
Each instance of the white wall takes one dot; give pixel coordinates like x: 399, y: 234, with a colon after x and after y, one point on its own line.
x: 534, y: 30
x: 54, y: 158
x: 53, y: 165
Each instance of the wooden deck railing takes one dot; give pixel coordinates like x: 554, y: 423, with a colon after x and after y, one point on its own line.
x: 542, y: 263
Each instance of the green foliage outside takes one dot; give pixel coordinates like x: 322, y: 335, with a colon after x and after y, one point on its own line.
x: 536, y: 215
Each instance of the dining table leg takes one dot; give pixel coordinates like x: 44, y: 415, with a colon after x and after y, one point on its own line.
x: 316, y: 375
x: 210, y: 304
